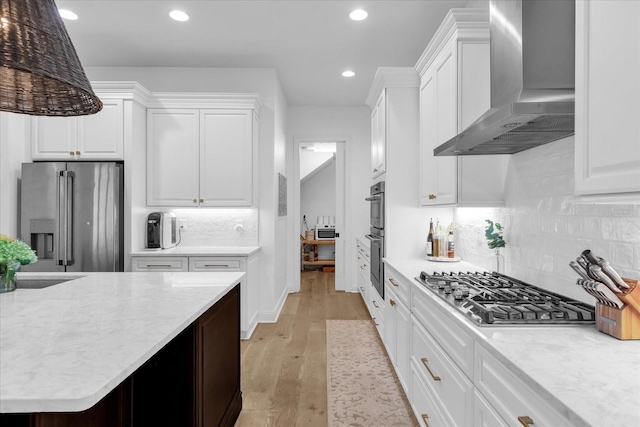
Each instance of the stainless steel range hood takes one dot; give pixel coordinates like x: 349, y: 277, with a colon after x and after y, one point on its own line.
x: 532, y: 80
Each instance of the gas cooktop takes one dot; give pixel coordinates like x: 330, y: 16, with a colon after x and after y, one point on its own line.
x: 496, y: 299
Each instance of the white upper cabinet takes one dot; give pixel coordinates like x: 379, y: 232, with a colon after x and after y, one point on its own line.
x: 454, y: 92
x: 202, y: 156
x: 607, y: 141
x: 226, y: 157
x: 173, y: 155
x: 379, y: 136
x: 98, y: 136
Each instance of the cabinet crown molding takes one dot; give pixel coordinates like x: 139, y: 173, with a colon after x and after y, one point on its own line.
x: 205, y: 100
x: 387, y: 77
x: 131, y: 90
x: 469, y: 23
x: 128, y: 90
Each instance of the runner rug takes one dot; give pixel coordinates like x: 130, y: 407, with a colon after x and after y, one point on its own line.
x: 363, y: 389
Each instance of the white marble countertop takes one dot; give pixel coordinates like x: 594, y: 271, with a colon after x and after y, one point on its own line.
x: 589, y: 377
x: 64, y: 347
x: 200, y: 251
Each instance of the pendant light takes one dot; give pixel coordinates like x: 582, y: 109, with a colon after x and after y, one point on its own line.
x: 40, y: 73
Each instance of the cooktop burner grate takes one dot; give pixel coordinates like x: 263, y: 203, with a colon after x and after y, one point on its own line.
x: 497, y: 299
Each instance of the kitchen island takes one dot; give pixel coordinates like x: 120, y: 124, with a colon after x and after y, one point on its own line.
x: 575, y: 372
x: 139, y: 347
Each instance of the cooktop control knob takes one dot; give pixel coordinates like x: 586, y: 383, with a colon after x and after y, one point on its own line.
x: 457, y: 294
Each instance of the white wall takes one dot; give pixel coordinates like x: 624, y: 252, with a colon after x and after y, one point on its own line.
x: 545, y: 230
x: 318, y: 194
x: 353, y: 125
x: 311, y: 160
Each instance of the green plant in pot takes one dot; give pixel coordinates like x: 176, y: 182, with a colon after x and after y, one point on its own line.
x: 494, y: 232
x: 13, y: 254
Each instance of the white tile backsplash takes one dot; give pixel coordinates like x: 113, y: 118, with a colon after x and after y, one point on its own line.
x: 217, y: 227
x: 544, y: 230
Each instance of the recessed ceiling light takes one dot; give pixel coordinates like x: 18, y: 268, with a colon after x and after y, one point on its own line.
x: 348, y: 73
x: 179, y: 15
x: 358, y: 15
x: 67, y: 14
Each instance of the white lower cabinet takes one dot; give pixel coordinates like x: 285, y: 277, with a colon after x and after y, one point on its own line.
x: 447, y: 384
x: 397, y: 329
x: 513, y: 400
x: 483, y: 413
x: 422, y: 403
x: 166, y: 264
x: 363, y: 273
x: 249, y: 292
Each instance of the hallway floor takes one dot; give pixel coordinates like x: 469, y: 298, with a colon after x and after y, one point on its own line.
x: 284, y: 364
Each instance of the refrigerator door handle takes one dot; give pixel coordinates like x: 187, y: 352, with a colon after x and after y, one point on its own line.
x: 65, y: 215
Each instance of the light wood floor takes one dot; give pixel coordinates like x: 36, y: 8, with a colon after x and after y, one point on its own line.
x: 284, y: 364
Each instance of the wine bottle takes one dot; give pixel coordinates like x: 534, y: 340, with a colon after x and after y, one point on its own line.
x: 436, y: 241
x: 442, y: 241
x: 450, y: 243
x: 430, y: 238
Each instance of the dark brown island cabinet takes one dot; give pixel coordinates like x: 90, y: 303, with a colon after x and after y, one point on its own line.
x: 192, y: 381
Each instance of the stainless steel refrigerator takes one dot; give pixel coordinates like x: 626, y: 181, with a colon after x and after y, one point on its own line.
x: 72, y: 215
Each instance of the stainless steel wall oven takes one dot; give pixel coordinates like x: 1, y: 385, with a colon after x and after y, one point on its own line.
x: 376, y: 236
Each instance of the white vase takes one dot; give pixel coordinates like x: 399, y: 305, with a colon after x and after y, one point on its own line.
x: 497, y: 261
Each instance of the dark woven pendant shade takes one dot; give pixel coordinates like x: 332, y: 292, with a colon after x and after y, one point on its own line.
x: 40, y: 73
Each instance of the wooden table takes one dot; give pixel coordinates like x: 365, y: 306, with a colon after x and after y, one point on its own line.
x: 318, y: 261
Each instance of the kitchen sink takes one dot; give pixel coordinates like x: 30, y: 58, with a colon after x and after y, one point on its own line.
x: 33, y: 280
x: 38, y: 283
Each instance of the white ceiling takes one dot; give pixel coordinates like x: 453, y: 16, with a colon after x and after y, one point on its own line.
x: 308, y: 42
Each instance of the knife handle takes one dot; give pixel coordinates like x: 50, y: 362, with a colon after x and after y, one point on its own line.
x: 613, y: 275
x: 588, y: 255
x: 578, y: 269
x: 596, y: 270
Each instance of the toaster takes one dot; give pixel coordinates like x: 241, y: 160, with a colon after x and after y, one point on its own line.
x: 161, y: 230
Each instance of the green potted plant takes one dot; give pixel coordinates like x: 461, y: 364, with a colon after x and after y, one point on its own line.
x: 494, y: 232
x: 13, y: 254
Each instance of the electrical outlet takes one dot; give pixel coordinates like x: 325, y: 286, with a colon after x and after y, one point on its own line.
x: 182, y: 224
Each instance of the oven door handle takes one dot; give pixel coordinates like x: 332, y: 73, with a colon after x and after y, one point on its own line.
x: 372, y: 237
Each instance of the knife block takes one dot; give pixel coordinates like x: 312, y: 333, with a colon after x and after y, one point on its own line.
x: 623, y: 323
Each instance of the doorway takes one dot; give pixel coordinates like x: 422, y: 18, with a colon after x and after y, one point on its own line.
x: 319, y: 198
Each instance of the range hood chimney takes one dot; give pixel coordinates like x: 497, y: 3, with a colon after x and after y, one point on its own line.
x: 532, y: 80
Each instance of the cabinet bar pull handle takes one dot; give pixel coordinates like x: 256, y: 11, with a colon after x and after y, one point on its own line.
x: 374, y: 321
x: 217, y: 265
x: 374, y: 303
x: 392, y: 302
x: 393, y: 282
x: 425, y: 418
x: 159, y: 265
x: 424, y: 362
x: 526, y: 421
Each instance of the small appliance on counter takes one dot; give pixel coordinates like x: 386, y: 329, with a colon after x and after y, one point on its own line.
x: 618, y: 299
x: 161, y: 230
x: 325, y: 228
